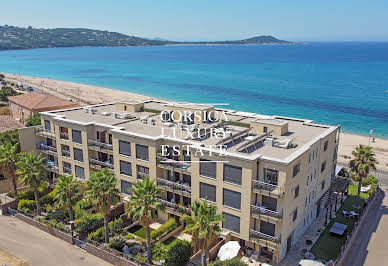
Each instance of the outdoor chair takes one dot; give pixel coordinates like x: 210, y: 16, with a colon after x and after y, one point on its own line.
x: 346, y: 214
x: 354, y: 214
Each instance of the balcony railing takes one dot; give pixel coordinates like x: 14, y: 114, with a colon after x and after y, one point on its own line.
x: 263, y: 236
x: 95, y: 143
x: 52, y: 166
x: 47, y: 148
x: 45, y: 132
x: 64, y: 136
x: 171, y: 164
x: 66, y: 153
x: 173, y: 207
x: 141, y: 175
x: 267, y: 188
x: 260, y: 210
x: 174, y: 185
x: 67, y: 171
x: 101, y: 163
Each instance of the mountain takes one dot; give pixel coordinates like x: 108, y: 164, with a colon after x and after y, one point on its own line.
x: 28, y: 38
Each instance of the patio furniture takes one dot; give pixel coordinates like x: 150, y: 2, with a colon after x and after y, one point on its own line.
x: 354, y: 214
x: 338, y: 228
x: 346, y: 214
x: 309, y: 256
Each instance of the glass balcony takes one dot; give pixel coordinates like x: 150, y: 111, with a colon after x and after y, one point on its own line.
x: 47, y: 148
x: 174, y: 186
x: 97, y: 145
x: 267, y: 189
x: 106, y: 164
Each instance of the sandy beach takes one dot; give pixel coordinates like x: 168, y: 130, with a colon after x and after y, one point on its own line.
x: 88, y: 94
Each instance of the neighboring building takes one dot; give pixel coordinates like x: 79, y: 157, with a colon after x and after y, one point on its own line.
x: 25, y: 105
x: 268, y: 186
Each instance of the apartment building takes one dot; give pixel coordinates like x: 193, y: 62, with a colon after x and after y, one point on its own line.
x: 268, y: 181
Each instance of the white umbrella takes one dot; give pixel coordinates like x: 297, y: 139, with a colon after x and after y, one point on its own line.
x: 229, y: 250
x: 311, y: 263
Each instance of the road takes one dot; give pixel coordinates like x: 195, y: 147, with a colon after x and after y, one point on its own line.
x: 38, y: 248
x: 370, y: 246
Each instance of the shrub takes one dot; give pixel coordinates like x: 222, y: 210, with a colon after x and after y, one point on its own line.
x: 140, y: 258
x: 159, y: 251
x: 11, y: 136
x: 49, y: 198
x: 129, y: 236
x: 117, y: 243
x: 116, y: 226
x: 29, y: 194
x: 167, y: 227
x: 52, y: 223
x: 80, y: 208
x: 26, y: 205
x: 58, y: 214
x: 232, y: 262
x: 179, y: 253
x: 98, y: 235
x: 89, y: 223
x: 5, y: 111
x: 33, y: 120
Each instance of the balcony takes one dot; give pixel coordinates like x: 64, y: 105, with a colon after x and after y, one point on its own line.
x: 52, y: 166
x: 174, y: 165
x: 66, y: 153
x: 99, y: 164
x: 64, y: 136
x: 141, y: 175
x: 174, y: 186
x: 67, y: 171
x: 174, y: 208
x: 265, y: 214
x: 45, y: 132
x: 267, y: 189
x: 47, y: 149
x: 264, y: 239
x: 100, y: 146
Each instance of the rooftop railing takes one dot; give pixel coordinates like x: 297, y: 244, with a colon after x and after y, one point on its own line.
x: 261, y: 210
x: 265, y: 188
x: 104, y: 164
x: 100, y: 144
x: 173, y: 185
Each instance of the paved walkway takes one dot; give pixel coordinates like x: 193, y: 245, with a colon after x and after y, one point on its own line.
x: 38, y: 248
x: 370, y: 246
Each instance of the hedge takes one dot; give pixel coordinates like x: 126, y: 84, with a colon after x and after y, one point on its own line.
x: 89, y: 223
x: 167, y: 227
x: 49, y: 198
x: 179, y: 253
x: 98, y: 235
x: 26, y: 205
x: 116, y: 226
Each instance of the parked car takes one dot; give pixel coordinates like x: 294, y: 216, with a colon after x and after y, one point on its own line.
x: 30, y: 89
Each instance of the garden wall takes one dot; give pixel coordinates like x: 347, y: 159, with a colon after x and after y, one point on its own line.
x: 173, y: 232
x: 6, y: 202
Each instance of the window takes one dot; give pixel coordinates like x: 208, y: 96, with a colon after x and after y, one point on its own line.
x: 65, y: 150
x: 296, y: 192
x: 124, y: 148
x: 47, y: 125
x: 207, y: 191
x: 231, y: 223
x: 76, y: 135
x: 78, y: 155
x: 187, y: 179
x: 125, y: 108
x: 67, y: 168
x: 125, y: 168
x: 271, y: 176
x: 323, y: 185
x: 325, y: 145
x: 110, y: 140
x: 295, y: 214
x: 232, y: 174
x: 265, y: 129
x: 323, y: 166
x: 142, y: 152
x: 79, y: 172
x: 142, y: 172
x: 125, y: 187
x: 296, y: 169
x: 269, y: 203
x: 232, y: 199
x: 267, y: 228
x: 207, y: 168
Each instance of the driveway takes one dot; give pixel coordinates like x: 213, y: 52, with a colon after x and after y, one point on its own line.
x: 370, y: 246
x: 38, y: 248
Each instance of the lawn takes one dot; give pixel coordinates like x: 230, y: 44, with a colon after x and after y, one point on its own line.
x: 353, y: 191
x: 142, y: 232
x: 328, y: 246
x: 171, y: 241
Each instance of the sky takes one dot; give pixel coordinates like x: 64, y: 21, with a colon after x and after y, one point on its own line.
x: 200, y: 20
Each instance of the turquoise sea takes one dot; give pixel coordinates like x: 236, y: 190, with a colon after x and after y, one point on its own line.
x: 334, y: 83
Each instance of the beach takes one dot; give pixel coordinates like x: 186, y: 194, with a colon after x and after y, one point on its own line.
x: 88, y: 94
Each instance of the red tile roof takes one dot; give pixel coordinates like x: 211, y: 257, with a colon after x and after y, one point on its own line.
x: 37, y: 101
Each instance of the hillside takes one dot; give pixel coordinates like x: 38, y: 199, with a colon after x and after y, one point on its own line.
x: 12, y: 38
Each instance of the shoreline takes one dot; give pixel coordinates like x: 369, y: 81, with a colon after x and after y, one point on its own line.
x: 90, y: 94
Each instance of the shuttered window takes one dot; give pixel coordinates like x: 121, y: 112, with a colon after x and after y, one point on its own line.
x: 125, y: 187
x: 207, y: 191
x: 207, y: 168
x: 231, y: 223
x: 232, y: 174
x: 142, y: 152
x: 79, y: 172
x: 78, y: 155
x: 76, y: 135
x: 125, y: 168
x: 232, y: 199
x: 125, y: 148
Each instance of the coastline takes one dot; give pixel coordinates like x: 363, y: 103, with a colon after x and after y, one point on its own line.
x: 90, y: 94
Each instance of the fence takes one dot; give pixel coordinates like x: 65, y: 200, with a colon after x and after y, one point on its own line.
x: 350, y: 239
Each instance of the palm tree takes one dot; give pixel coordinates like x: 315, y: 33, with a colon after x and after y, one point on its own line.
x: 68, y: 193
x: 143, y: 204
x: 32, y: 172
x: 103, y: 192
x: 204, y: 225
x: 8, y: 159
x: 364, y: 160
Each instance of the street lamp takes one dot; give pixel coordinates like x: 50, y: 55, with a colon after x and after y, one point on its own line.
x: 72, y: 231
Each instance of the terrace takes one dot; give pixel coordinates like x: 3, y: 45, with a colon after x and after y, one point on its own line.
x: 45, y: 132
x: 264, y: 239
x: 99, y: 164
x: 267, y: 189
x: 174, y: 186
x: 263, y: 213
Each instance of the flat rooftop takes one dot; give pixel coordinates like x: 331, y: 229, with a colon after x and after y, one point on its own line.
x: 241, y: 140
